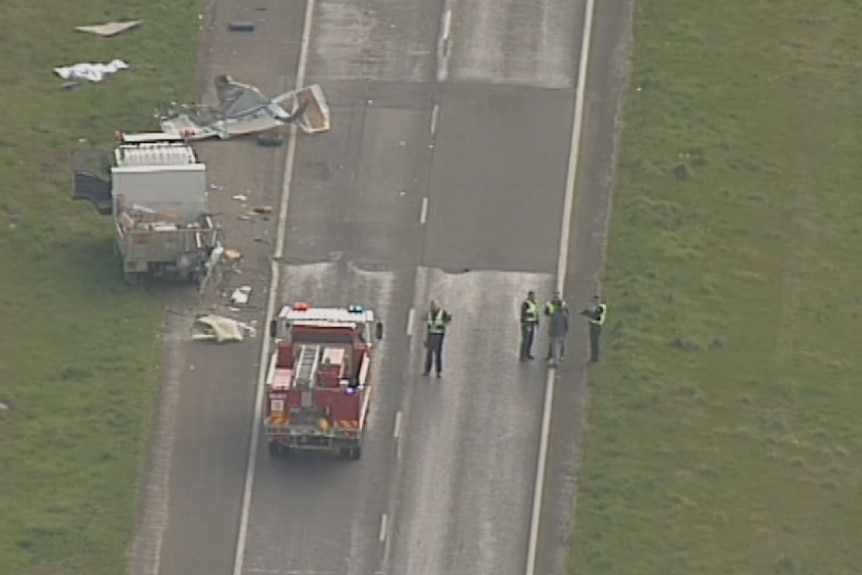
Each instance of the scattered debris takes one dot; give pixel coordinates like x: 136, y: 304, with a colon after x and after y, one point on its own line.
x: 233, y: 255
x: 240, y: 197
x: 90, y: 72
x: 262, y: 209
x: 243, y: 109
x: 240, y: 295
x: 220, y: 329
x: 240, y: 26
x: 110, y: 29
x: 270, y: 139
x: 5, y: 405
x: 216, y: 188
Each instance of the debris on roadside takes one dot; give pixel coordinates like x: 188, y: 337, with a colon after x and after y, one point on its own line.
x: 270, y: 139
x: 233, y: 255
x: 220, y: 329
x: 240, y: 295
x: 262, y: 209
x: 241, y: 26
x: 90, y: 72
x: 110, y: 29
x: 242, y: 109
x: 240, y: 197
x: 6, y: 405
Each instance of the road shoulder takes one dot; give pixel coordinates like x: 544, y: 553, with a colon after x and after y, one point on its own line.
x: 606, y: 83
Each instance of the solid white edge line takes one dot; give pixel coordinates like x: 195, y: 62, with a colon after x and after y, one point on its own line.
x: 384, y: 520
x: 396, y: 433
x: 562, y: 264
x: 423, y: 215
x: 447, y: 24
x: 434, y: 112
x: 242, y: 534
x: 410, y: 320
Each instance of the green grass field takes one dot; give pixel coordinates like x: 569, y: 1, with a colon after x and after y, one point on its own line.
x: 78, y: 349
x: 723, y: 429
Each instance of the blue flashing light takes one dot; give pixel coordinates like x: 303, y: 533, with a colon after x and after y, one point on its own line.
x: 355, y: 309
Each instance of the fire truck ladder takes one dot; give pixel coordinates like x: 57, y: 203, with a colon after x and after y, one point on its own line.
x: 306, y: 366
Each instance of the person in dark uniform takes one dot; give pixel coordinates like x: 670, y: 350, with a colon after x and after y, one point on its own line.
x: 596, y: 315
x: 436, y: 320
x: 557, y: 312
x: 529, y: 323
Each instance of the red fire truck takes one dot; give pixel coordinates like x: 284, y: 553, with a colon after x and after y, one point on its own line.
x: 318, y: 385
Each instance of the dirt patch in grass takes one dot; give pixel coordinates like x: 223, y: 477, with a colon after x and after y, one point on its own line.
x: 723, y: 431
x: 78, y: 349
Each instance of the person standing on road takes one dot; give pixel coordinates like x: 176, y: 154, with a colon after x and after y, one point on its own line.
x: 557, y: 313
x: 529, y: 323
x: 596, y: 315
x: 436, y: 320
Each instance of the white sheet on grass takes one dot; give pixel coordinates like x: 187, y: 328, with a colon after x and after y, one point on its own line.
x: 90, y: 72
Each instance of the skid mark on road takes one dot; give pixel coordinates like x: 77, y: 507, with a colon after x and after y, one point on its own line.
x: 513, y: 42
x: 383, y: 40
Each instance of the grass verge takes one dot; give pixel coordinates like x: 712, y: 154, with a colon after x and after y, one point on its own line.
x: 78, y: 349
x: 723, y: 431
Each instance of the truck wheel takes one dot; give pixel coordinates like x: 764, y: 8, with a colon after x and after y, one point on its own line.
x: 356, y: 452
x: 274, y: 448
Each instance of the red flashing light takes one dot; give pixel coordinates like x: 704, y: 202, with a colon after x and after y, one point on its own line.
x: 300, y: 307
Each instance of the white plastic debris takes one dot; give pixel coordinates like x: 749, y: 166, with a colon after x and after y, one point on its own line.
x: 220, y: 329
x: 241, y: 197
x: 90, y: 72
x: 240, y: 295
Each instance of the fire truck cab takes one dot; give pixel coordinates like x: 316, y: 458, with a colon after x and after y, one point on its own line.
x: 318, y: 385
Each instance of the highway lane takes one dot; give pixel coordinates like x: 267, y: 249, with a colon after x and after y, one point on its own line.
x: 498, y: 179
x: 353, y: 236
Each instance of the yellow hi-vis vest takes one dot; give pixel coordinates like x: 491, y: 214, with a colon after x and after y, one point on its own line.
x: 532, y: 314
x: 603, y: 312
x: 436, y: 322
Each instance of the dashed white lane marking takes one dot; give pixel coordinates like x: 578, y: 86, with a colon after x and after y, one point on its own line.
x: 384, y: 520
x: 443, y: 47
x: 410, y: 319
x: 435, y: 111
x: 423, y: 215
x: 396, y: 433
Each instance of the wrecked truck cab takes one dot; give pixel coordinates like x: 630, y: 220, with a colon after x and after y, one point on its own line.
x: 156, y: 190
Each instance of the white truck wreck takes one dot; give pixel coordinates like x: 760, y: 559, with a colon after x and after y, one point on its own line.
x: 156, y: 190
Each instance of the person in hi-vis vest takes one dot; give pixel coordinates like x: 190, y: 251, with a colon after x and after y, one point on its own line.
x: 436, y: 320
x: 529, y: 323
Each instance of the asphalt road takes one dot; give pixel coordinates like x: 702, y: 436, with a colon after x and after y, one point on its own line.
x: 443, y: 177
